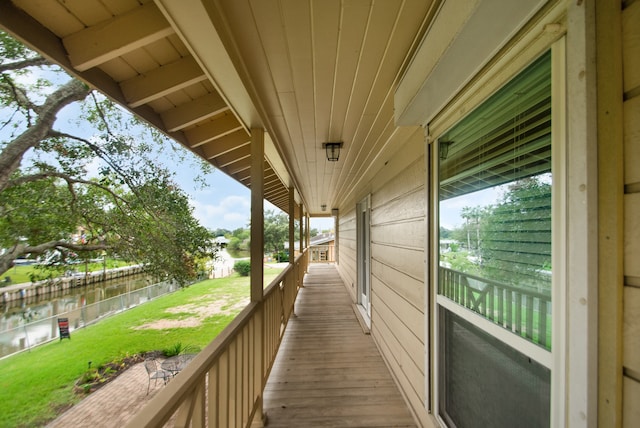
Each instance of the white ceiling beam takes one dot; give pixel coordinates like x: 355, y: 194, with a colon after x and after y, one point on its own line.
x: 212, y: 130
x: 193, y: 112
x: 110, y: 39
x: 162, y: 81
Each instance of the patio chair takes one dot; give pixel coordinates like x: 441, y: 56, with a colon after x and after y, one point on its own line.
x: 152, y: 370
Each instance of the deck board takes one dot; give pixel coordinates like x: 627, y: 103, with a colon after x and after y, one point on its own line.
x: 328, y: 373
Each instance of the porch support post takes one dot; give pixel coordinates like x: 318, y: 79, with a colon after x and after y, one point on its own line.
x: 611, y: 181
x: 336, y: 235
x: 302, y: 228
x: 292, y: 225
x: 257, y: 213
x: 257, y: 265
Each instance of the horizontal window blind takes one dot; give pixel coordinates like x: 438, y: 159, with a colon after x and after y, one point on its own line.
x: 507, y: 139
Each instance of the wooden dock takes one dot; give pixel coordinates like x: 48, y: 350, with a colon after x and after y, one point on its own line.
x: 328, y: 372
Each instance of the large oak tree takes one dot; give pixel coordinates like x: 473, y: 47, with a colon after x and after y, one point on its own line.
x: 91, y: 184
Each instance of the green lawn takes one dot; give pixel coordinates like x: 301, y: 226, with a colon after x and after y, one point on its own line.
x: 34, y: 385
x: 22, y: 273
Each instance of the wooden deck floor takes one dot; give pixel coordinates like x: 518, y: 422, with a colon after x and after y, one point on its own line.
x: 328, y: 373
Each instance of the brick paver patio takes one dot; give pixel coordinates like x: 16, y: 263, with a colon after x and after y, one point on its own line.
x: 113, y: 404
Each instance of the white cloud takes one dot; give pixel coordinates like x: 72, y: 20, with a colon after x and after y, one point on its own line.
x: 230, y: 212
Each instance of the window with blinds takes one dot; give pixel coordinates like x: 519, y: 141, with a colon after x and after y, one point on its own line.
x: 495, y: 205
x: 494, y: 214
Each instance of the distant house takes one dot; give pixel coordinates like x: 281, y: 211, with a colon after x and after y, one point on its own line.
x: 321, y: 248
x: 221, y: 242
x: 445, y: 245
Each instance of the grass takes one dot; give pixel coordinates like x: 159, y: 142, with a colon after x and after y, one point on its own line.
x: 22, y: 273
x: 36, y: 385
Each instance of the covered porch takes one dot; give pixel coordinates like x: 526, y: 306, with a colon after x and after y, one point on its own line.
x: 286, y: 362
x: 328, y: 372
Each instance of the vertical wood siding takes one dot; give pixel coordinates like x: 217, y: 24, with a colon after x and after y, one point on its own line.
x: 631, y: 329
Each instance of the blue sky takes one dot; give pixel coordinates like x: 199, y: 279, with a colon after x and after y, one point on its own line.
x: 225, y: 203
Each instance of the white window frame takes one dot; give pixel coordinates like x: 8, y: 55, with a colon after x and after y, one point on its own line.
x: 555, y: 359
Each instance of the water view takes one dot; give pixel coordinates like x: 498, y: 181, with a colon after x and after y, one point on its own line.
x: 31, y: 321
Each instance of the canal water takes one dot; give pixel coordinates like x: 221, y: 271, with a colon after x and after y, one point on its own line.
x: 31, y: 321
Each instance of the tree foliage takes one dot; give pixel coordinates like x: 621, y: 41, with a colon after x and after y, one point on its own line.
x: 276, y: 231
x: 240, y: 240
x: 515, y: 234
x: 93, y: 184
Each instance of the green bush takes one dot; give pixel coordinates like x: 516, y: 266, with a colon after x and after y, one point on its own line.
x: 173, y: 350
x: 243, y: 267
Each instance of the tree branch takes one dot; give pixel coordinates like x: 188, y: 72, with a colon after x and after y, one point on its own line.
x: 7, y: 258
x: 13, y: 152
x: 37, y: 61
x: 69, y: 179
x: 18, y: 93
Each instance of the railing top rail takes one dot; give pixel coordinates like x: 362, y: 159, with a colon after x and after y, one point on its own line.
x: 528, y: 291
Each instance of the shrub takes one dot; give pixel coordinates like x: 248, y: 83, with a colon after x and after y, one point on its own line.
x: 243, y: 267
x: 282, y: 256
x: 173, y: 350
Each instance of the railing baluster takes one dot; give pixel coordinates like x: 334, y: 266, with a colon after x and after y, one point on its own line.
x: 456, y: 282
x: 445, y: 284
x: 529, y: 317
x: 491, y: 301
x: 250, y: 366
x: 501, y: 298
x: 213, y: 396
x: 246, y: 381
x: 518, y: 320
x: 223, y: 406
x: 238, y: 381
x: 451, y: 285
x: 199, y: 415
x: 542, y: 323
x: 509, y: 303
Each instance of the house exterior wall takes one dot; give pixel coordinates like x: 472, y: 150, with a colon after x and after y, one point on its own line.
x: 348, y: 249
x: 398, y: 271
x: 400, y: 288
x: 631, y: 298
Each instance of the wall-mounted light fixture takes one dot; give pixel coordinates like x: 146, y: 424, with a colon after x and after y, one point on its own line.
x: 333, y: 151
x: 324, y: 207
x: 444, y: 149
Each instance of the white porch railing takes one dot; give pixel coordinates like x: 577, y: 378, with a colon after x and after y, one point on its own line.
x: 321, y: 254
x: 223, y: 385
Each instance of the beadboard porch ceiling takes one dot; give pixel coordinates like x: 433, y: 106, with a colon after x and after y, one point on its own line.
x: 207, y: 72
